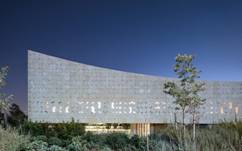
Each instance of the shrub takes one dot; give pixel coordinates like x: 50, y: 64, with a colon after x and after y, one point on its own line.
x: 61, y: 130
x: 117, y: 140
x: 99, y: 139
x: 10, y: 140
x: 138, y: 142
x: 36, y: 145
x: 77, y: 145
x: 55, y: 141
x: 40, y: 137
x: 216, y: 138
x: 161, y: 145
x: 56, y: 148
x: 105, y: 148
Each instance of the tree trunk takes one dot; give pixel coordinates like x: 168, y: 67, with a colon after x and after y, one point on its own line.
x: 194, y: 130
x: 183, y: 121
x: 175, y: 120
x: 5, y: 120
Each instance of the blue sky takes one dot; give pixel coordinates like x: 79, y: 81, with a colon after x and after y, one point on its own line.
x: 130, y: 35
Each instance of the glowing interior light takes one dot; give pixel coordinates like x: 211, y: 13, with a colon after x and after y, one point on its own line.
x: 99, y: 104
x: 93, y: 109
x: 222, y: 110
x: 157, y: 107
x: 67, y: 109
x: 132, y: 102
x: 237, y: 110
x: 211, y: 112
x: 130, y: 109
x: 230, y: 105
x: 53, y: 109
x: 112, y: 105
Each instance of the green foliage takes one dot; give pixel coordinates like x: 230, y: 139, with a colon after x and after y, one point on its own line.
x: 138, y: 142
x: 77, y: 145
x: 117, y: 140
x: 105, y: 149
x: 36, y: 145
x: 99, y: 139
x: 221, y: 137
x: 186, y: 91
x: 40, y: 137
x: 159, y: 145
x: 10, y: 140
x: 63, y: 131
x: 5, y: 100
x: 216, y: 138
x: 3, y: 76
x: 56, y: 148
x: 55, y: 141
x: 17, y: 117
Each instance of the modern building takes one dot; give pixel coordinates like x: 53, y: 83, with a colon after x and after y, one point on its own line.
x: 60, y: 90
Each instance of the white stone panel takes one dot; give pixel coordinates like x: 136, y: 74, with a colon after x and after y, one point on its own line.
x: 59, y: 90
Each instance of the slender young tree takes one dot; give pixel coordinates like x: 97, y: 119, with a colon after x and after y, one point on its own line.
x: 5, y: 100
x: 186, y: 89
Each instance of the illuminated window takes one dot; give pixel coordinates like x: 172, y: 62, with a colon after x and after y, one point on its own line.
x: 237, y: 110
x: 130, y: 109
x: 67, y: 109
x: 53, y: 109
x: 157, y: 107
x: 230, y: 105
x: 99, y: 104
x: 132, y: 102
x: 222, y: 110
x: 93, y: 109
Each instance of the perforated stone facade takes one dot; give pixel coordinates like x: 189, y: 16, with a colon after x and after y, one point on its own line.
x: 59, y: 90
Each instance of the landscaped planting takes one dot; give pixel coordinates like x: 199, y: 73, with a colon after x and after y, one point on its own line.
x: 62, y: 137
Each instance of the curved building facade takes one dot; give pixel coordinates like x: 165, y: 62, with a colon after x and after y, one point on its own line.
x: 60, y: 90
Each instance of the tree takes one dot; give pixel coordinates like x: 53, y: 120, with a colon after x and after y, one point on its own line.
x: 17, y: 117
x: 5, y: 100
x: 186, y: 89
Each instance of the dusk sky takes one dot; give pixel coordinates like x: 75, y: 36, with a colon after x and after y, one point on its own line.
x: 130, y: 35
